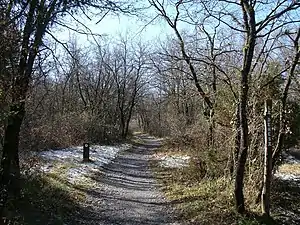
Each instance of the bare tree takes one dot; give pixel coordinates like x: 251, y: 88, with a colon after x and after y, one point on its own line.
x: 128, y: 67
x: 291, y: 76
x: 248, y: 26
x: 35, y: 19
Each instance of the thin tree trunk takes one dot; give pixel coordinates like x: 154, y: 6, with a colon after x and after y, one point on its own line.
x: 129, y: 116
x: 211, y: 129
x: 237, y: 140
x: 249, y: 21
x: 240, y: 169
x: 282, y: 120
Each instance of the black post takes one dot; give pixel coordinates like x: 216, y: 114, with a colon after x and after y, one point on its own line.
x: 265, y: 198
x: 86, y: 152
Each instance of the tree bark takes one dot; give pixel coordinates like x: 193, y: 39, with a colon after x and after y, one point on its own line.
x: 240, y: 169
x: 237, y: 140
x: 249, y: 21
x: 10, y: 169
x: 211, y: 136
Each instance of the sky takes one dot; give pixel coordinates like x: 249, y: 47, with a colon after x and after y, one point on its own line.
x: 112, y: 26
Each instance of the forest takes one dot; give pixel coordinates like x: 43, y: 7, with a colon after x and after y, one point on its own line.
x: 204, y: 88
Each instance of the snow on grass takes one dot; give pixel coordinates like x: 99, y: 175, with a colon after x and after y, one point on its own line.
x: 290, y: 169
x: 287, y: 177
x: 67, y: 163
x: 173, y: 161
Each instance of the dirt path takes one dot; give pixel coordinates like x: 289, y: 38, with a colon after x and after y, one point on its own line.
x: 127, y: 193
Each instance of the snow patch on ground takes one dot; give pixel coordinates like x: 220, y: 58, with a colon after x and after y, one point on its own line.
x: 67, y: 163
x: 173, y: 161
x: 288, y: 176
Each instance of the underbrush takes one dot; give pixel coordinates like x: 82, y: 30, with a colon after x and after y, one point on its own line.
x: 290, y: 169
x: 66, y: 130
x: 203, y: 191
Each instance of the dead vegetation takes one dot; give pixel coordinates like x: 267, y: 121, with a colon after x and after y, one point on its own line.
x: 204, y: 198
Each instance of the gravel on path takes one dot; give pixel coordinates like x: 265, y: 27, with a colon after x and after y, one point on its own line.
x: 127, y: 193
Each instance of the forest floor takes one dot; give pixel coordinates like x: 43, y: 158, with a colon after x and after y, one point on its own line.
x: 117, y: 189
x: 124, y: 184
x: 204, y: 201
x: 286, y: 189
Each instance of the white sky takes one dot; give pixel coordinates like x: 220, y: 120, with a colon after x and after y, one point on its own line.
x: 112, y: 26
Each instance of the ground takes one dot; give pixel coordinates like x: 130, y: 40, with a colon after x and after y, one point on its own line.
x: 127, y: 192
x: 117, y: 188
x: 286, y: 189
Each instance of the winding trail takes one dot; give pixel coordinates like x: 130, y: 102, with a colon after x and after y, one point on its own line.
x: 127, y: 193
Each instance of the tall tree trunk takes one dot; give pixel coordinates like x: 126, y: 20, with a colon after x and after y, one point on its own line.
x: 249, y: 21
x: 10, y: 159
x: 10, y: 169
x: 243, y: 151
x: 122, y: 125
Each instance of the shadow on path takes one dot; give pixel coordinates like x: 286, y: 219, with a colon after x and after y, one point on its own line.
x: 124, y: 192
x: 127, y: 192
x: 285, y: 201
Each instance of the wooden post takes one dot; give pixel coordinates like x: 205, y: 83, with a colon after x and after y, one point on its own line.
x: 86, y: 152
x: 265, y: 197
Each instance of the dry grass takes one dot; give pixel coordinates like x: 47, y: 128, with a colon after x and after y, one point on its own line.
x: 289, y: 169
x: 204, y: 203
x: 199, y: 200
x: 208, y: 201
x: 205, y: 198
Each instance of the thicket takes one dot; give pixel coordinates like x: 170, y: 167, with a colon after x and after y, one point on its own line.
x: 52, y: 96
x: 88, y: 95
x: 205, y: 187
x: 214, y: 81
